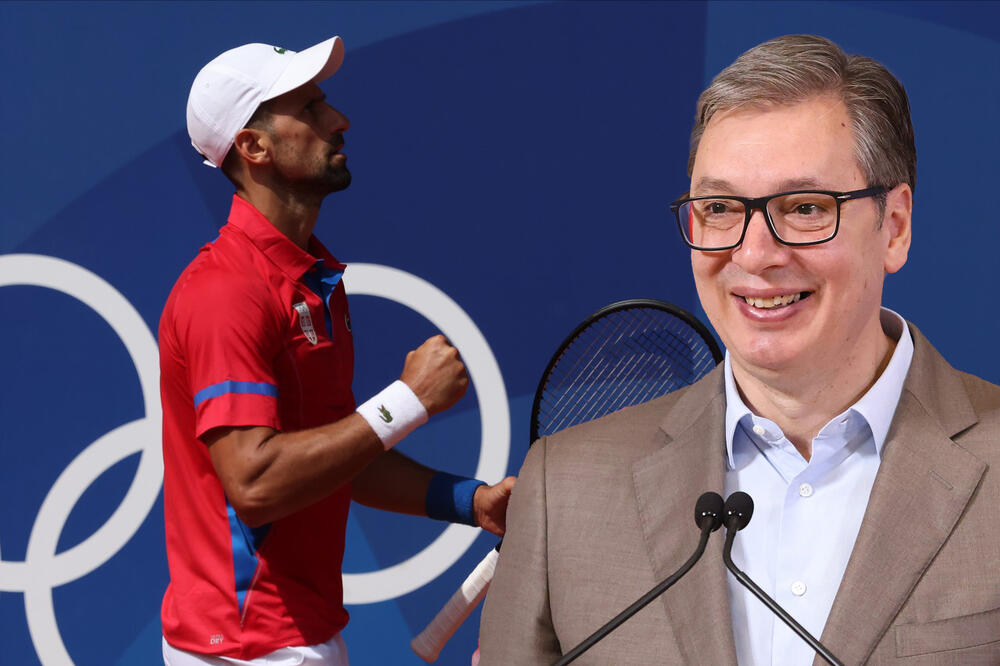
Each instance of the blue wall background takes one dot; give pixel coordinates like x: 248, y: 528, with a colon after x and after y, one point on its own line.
x: 519, y: 156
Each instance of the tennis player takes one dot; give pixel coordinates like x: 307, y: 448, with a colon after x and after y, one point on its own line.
x: 264, y: 446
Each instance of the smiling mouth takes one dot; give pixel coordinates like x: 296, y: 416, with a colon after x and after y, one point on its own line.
x: 775, y: 301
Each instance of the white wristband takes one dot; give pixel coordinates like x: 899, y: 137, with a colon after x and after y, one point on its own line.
x: 393, y: 413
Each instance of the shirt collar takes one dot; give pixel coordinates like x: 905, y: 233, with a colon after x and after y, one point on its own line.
x: 877, y: 406
x: 278, y: 247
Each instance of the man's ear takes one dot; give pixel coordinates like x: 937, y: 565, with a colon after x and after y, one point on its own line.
x: 896, y: 223
x: 253, y: 145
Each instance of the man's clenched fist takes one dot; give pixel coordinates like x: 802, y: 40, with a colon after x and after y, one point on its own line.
x: 435, y: 373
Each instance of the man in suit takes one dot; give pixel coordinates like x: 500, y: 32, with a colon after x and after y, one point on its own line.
x: 872, y: 462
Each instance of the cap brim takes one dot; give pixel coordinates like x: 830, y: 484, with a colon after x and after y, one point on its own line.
x: 316, y: 63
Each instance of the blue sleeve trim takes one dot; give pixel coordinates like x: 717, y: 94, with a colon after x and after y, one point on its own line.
x: 222, y: 388
x: 449, y: 498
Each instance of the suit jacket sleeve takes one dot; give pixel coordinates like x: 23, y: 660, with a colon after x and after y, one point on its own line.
x: 516, y: 623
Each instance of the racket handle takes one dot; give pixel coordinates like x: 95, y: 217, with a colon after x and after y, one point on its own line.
x: 429, y: 642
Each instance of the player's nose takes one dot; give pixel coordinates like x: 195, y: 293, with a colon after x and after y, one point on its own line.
x: 336, y: 120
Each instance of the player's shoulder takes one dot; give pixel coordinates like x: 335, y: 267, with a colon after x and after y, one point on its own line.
x: 226, y: 281
x: 224, y: 269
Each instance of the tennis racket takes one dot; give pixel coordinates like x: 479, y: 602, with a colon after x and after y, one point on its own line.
x: 624, y: 354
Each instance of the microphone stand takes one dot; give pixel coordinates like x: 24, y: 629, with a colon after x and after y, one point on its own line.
x: 770, y: 603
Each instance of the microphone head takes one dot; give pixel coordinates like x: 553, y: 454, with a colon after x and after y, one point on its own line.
x: 708, y: 511
x: 738, y: 510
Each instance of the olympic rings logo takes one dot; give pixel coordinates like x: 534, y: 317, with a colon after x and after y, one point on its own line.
x: 43, y: 569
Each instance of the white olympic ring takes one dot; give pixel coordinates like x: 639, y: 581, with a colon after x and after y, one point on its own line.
x: 429, y: 301
x: 43, y: 569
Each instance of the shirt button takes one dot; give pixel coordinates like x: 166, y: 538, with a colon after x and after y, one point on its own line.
x: 759, y: 429
x: 798, y: 588
x: 805, y: 490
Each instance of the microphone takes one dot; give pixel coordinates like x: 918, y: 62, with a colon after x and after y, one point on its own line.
x: 708, y: 518
x: 737, y: 513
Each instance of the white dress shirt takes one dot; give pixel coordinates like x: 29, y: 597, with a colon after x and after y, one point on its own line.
x: 806, y: 513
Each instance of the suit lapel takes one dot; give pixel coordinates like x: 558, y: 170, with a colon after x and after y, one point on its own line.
x: 922, y: 488
x: 668, y: 482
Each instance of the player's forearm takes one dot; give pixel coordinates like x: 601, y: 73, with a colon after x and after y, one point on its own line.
x: 394, y: 482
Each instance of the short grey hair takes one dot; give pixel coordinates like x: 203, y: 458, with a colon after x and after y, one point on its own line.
x: 794, y: 68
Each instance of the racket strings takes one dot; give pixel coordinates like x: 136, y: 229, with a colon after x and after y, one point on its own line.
x: 623, y: 358
x: 588, y: 358
x: 585, y: 357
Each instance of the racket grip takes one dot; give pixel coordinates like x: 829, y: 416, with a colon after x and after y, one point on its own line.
x: 429, y: 642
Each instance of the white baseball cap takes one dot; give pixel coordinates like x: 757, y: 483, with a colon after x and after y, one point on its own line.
x: 229, y: 89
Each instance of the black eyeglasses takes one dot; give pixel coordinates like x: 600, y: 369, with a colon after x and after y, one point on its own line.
x: 803, y: 217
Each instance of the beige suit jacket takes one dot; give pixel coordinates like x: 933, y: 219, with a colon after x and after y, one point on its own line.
x: 604, y: 511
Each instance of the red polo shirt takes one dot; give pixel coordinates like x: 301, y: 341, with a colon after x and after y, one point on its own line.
x: 256, y: 332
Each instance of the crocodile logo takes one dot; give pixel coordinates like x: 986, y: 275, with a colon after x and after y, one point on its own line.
x: 384, y: 414
x: 279, y: 50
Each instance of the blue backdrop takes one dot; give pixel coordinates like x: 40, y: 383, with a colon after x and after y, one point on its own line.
x: 519, y: 157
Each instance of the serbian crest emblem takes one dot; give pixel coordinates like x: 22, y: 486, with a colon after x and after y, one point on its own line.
x: 306, y: 322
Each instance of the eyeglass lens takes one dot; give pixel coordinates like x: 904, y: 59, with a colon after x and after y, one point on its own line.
x: 805, y: 217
